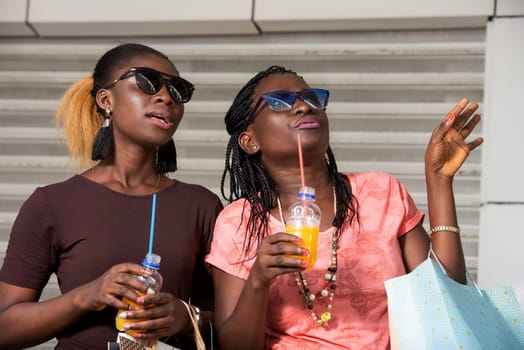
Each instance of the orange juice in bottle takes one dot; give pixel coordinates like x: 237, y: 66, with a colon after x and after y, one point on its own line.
x: 153, y: 282
x: 303, y: 220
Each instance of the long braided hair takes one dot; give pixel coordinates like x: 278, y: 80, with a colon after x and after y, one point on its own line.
x: 249, y: 180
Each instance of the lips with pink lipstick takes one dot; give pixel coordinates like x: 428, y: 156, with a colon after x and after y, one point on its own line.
x: 160, y: 119
x: 308, y: 123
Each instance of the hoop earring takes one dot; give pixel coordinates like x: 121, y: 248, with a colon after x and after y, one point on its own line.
x: 165, y: 161
x: 103, y: 139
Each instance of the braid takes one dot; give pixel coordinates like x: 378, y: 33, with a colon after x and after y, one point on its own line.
x: 249, y: 180
x: 346, y: 203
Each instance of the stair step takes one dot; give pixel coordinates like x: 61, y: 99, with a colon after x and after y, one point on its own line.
x: 395, y: 168
x: 30, y: 135
x: 224, y: 86
x: 355, y: 116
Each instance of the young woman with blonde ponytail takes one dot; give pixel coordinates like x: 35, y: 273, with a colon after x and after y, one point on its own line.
x: 93, y: 229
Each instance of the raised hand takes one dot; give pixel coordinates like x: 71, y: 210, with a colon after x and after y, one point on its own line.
x: 448, y: 149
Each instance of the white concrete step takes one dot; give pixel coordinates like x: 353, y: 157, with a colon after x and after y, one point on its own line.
x: 452, y: 44
x: 45, y: 79
x: 398, y: 168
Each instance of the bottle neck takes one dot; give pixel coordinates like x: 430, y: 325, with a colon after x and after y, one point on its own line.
x: 306, y: 197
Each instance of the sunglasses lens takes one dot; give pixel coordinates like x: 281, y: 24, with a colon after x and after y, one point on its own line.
x: 280, y: 101
x: 316, y: 98
x: 180, y: 89
x: 148, y: 81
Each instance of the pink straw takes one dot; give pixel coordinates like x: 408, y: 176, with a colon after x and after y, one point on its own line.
x: 301, y: 161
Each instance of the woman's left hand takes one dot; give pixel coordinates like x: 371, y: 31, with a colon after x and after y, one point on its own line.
x: 448, y: 149
x: 163, y: 315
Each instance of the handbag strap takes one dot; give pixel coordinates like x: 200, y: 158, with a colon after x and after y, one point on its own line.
x: 469, y: 279
x: 196, y: 329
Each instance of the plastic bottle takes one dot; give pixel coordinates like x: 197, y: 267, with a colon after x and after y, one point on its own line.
x: 154, y: 282
x: 303, y: 220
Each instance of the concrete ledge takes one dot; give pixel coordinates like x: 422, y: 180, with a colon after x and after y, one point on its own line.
x: 51, y: 135
x: 12, y: 18
x: 400, y: 110
x: 63, y: 18
x: 38, y: 163
x: 142, y: 18
x: 263, y: 46
x: 307, y: 25
x: 237, y: 79
x: 300, y: 15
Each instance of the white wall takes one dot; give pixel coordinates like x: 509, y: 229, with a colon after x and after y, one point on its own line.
x: 501, y: 242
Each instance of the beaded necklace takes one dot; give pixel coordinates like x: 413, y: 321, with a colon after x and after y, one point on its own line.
x: 327, y: 293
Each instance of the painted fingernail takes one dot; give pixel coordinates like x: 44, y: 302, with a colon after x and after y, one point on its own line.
x: 123, y: 315
x: 305, y: 251
x: 450, y: 117
x: 298, y: 240
x: 304, y: 262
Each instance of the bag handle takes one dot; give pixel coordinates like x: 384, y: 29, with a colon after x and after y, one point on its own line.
x: 199, y: 341
x: 469, y: 279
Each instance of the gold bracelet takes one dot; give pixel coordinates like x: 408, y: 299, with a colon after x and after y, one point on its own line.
x: 439, y: 228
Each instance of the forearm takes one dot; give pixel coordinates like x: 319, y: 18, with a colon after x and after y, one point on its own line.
x: 29, y: 323
x: 442, y: 212
x: 245, y: 328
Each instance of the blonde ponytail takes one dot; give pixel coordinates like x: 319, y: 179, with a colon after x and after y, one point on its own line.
x: 77, y: 114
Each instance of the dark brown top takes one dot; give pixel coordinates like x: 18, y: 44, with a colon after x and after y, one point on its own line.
x: 78, y: 229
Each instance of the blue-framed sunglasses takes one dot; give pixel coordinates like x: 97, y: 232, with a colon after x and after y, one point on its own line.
x: 150, y: 81
x: 280, y: 101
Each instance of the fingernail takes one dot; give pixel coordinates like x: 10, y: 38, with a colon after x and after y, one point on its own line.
x: 450, y: 117
x: 140, y: 301
x: 305, y: 251
x: 304, y: 262
x: 123, y: 315
x: 298, y: 240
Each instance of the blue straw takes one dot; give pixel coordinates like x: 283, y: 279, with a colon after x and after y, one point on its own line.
x: 152, y: 228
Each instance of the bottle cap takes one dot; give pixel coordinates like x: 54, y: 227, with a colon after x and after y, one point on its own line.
x: 152, y: 261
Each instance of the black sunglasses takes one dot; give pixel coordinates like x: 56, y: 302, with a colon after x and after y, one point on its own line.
x: 150, y: 81
x: 279, y: 101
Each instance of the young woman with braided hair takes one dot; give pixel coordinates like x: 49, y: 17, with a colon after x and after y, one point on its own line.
x: 93, y: 229
x: 370, y: 228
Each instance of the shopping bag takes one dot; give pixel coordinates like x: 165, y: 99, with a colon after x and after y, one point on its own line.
x: 431, y: 311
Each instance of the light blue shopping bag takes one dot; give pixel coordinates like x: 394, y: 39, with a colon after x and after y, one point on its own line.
x: 431, y: 311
